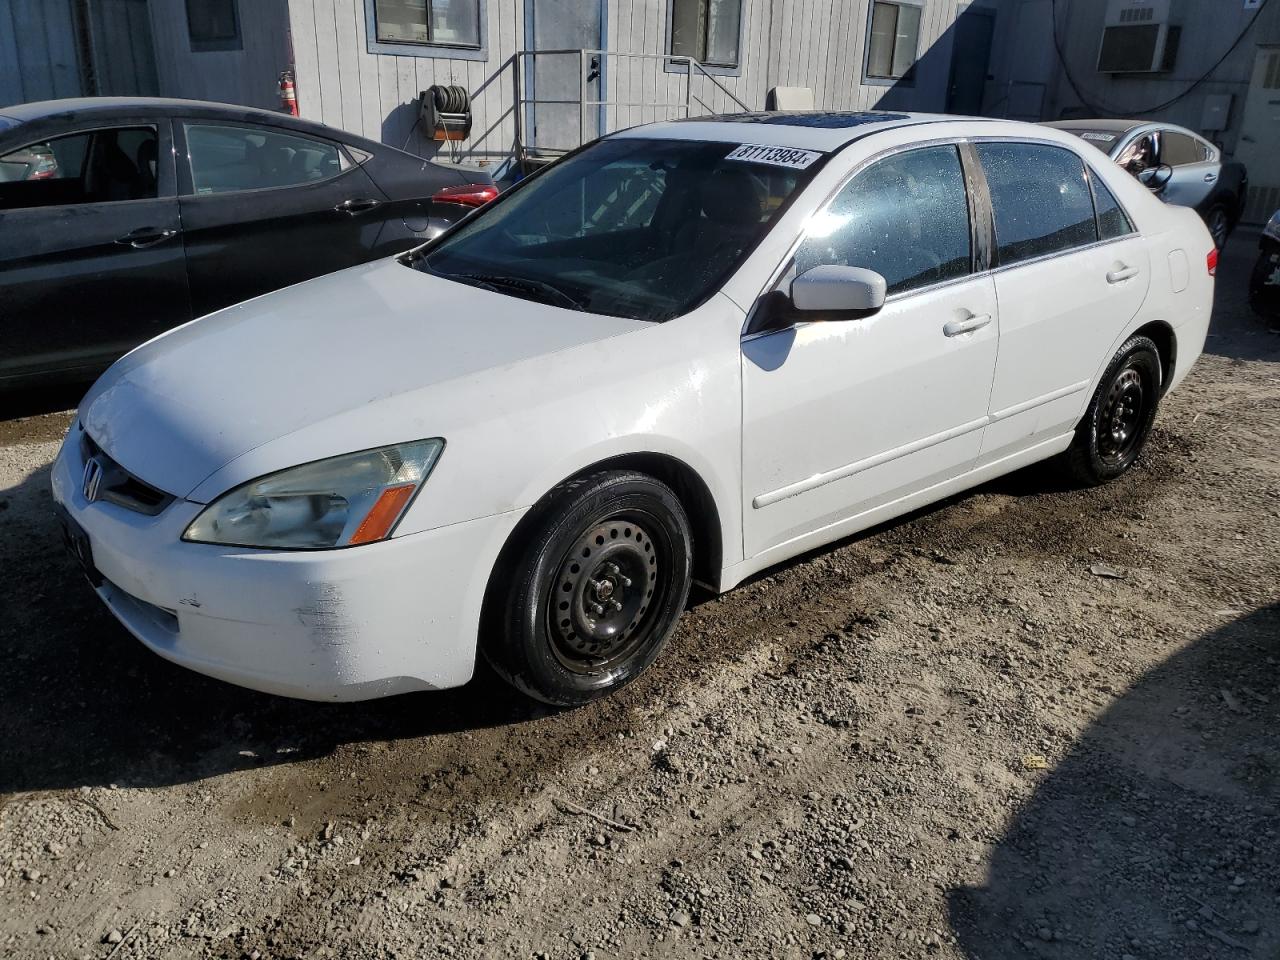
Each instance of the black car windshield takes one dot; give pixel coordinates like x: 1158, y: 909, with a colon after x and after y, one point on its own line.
x: 640, y: 228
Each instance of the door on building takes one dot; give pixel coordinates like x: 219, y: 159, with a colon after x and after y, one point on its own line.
x: 970, y: 59
x: 122, y: 51
x: 557, y: 120
x: 1259, y: 143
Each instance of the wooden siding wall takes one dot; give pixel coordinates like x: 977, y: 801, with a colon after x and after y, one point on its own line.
x: 814, y: 43
x: 38, y: 58
x: 248, y: 76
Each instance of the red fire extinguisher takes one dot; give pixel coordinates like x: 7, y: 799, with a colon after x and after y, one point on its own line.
x: 288, y: 95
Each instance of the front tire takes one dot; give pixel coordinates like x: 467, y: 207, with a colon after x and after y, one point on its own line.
x: 588, y: 599
x: 1115, y: 427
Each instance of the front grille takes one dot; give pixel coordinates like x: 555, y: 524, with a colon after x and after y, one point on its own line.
x: 117, y: 485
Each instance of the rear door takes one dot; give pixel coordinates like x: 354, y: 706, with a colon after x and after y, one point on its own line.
x: 91, y: 257
x: 1195, y: 174
x: 1068, y: 279
x: 264, y: 207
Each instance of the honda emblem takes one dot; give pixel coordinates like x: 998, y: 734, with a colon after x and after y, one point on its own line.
x: 92, y: 479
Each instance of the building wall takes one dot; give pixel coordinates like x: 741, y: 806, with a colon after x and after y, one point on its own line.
x: 38, y: 58
x: 248, y: 76
x: 814, y: 43
x: 1208, y: 29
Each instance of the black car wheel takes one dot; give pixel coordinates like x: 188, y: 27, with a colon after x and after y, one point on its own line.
x: 589, y: 600
x: 1115, y: 427
x: 1219, y: 225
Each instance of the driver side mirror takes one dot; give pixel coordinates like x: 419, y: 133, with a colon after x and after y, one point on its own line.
x: 833, y: 288
x: 1156, y: 178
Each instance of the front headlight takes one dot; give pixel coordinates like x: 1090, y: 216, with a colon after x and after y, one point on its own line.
x: 1272, y: 229
x: 339, y: 502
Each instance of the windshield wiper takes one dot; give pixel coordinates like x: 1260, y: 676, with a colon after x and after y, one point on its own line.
x: 542, y: 290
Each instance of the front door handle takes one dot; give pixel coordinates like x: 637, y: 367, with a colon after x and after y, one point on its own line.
x: 953, y: 328
x: 355, y: 207
x: 145, y: 237
x: 1121, y: 274
x: 1210, y: 177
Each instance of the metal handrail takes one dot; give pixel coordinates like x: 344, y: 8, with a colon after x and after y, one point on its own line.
x: 691, y: 68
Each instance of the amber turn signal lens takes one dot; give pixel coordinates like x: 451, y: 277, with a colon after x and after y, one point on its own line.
x: 385, y: 512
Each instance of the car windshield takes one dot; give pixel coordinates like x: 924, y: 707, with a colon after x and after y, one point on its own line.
x: 640, y: 228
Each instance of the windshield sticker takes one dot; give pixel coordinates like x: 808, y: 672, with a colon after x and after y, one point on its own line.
x: 774, y: 156
x: 1103, y: 137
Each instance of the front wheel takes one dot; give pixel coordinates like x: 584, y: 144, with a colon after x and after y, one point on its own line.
x: 1118, y: 421
x: 587, y: 601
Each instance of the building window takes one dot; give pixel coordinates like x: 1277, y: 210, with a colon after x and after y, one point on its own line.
x: 213, y: 25
x: 893, y: 40
x: 445, y: 23
x: 708, y: 31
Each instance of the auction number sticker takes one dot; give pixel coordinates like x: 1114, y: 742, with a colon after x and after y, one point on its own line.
x: 774, y: 156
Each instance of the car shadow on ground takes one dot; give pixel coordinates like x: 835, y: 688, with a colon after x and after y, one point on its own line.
x: 1156, y: 835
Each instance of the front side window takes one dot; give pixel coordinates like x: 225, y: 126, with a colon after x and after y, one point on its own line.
x: 244, y: 158
x: 893, y: 39
x: 629, y: 227
x: 1040, y: 198
x: 213, y: 25
x: 905, y: 217
x: 100, y: 166
x: 1140, y: 154
x: 1113, y: 222
x: 706, y: 30
x: 451, y: 23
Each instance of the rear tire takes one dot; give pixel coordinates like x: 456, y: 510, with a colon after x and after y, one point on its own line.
x: 1219, y: 224
x: 584, y: 604
x: 1116, y: 425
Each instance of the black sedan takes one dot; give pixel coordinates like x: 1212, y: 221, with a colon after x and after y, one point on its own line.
x: 121, y: 218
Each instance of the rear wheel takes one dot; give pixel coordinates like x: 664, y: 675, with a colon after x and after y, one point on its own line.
x: 1219, y: 225
x: 589, y: 600
x: 1115, y: 428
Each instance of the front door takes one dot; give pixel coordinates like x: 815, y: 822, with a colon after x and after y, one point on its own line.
x: 970, y: 57
x: 1259, y: 143
x: 91, y: 258
x: 263, y: 208
x: 558, y: 119
x: 848, y: 414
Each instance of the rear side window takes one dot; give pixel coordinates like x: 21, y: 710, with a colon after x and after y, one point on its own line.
x: 1040, y: 197
x: 1112, y: 220
x: 1178, y: 150
x: 224, y: 159
x: 905, y: 217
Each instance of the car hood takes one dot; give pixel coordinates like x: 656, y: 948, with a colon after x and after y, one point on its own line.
x: 184, y: 405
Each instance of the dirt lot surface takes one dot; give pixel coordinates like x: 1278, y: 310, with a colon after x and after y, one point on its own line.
x: 1029, y: 722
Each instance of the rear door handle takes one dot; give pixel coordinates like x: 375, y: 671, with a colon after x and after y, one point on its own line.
x: 1124, y: 273
x: 354, y: 207
x: 146, y: 237
x: 953, y: 328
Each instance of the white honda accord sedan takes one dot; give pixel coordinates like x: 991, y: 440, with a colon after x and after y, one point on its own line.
x: 684, y: 352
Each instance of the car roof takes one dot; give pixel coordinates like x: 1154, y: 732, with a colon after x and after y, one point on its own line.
x: 811, y: 129
x: 1110, y: 125
x: 82, y: 108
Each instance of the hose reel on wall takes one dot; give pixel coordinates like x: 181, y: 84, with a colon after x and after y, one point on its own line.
x: 444, y: 112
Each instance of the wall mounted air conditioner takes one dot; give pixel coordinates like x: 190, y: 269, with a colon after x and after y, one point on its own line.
x: 1139, y: 36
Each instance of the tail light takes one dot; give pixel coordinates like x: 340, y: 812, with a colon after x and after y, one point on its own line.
x: 1211, y: 261
x: 467, y: 194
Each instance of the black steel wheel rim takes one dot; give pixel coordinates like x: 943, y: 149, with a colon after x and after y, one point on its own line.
x: 1121, y: 418
x: 603, y: 602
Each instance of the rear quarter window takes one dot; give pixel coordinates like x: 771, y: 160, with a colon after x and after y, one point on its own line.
x: 1040, y: 197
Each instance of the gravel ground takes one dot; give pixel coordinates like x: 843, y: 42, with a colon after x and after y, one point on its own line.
x: 1028, y: 722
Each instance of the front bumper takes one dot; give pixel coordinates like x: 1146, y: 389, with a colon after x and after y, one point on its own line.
x: 344, y: 624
